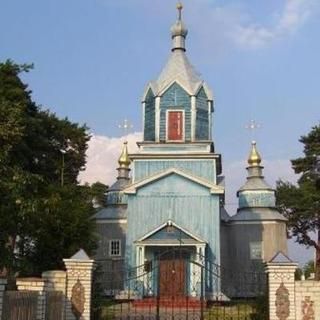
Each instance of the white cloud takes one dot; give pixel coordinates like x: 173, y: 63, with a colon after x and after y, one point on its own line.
x: 293, y: 16
x: 231, y: 23
x: 102, y: 157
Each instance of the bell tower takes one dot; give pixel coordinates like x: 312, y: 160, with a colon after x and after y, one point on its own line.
x: 178, y: 106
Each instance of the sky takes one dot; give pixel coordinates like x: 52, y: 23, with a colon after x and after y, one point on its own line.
x: 93, y: 58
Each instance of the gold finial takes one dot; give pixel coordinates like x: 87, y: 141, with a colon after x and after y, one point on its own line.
x: 124, y: 160
x: 179, y: 7
x: 254, y: 157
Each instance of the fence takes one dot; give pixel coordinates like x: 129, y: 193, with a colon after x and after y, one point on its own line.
x: 57, y: 295
x: 179, y: 284
x: 18, y: 305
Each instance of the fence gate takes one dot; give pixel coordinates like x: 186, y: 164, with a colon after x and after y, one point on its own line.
x: 179, y: 284
x: 19, y: 305
x: 54, y: 305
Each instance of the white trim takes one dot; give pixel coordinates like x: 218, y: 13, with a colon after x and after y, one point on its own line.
x: 170, y: 223
x: 110, y: 248
x: 183, y: 124
x: 145, y: 92
x: 157, y: 119
x: 193, y: 118
x: 209, y: 120
x: 214, y: 189
x: 156, y: 244
x: 231, y: 222
x: 106, y: 221
x: 164, y: 89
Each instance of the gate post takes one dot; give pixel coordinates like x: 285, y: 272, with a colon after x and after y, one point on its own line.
x: 3, y: 283
x: 281, y: 287
x: 79, y: 285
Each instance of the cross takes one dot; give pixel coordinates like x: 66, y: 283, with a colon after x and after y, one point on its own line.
x: 125, y: 126
x: 252, y: 126
x: 175, y: 96
x: 179, y: 7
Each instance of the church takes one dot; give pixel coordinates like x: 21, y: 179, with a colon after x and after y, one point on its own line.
x: 168, y: 199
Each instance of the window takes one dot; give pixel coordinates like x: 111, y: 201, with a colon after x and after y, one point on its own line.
x: 256, y: 251
x: 175, y: 127
x: 115, y: 248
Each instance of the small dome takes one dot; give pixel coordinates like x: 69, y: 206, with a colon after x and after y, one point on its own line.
x: 254, y: 157
x: 179, y: 29
x: 124, y: 160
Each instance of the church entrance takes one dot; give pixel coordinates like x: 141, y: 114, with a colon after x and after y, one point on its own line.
x: 172, y: 278
x: 173, y: 274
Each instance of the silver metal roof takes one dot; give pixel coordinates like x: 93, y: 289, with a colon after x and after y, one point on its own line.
x: 255, y: 183
x: 179, y: 69
x: 257, y: 214
x: 111, y: 212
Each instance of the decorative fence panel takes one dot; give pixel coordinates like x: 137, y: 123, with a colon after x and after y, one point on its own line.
x: 19, y: 305
x: 181, y: 285
x: 54, y: 305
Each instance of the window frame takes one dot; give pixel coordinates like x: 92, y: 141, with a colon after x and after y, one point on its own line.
x: 252, y: 245
x: 183, y: 124
x: 110, y: 248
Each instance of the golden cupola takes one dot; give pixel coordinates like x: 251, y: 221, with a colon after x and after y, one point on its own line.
x: 124, y: 160
x: 254, y: 156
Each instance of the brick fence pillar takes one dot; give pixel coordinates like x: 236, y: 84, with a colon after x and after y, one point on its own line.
x: 281, y: 286
x: 3, y: 283
x: 79, y: 283
x: 39, y: 285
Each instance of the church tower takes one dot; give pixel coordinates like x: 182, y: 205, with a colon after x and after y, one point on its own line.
x: 176, y: 193
x: 257, y: 231
x: 178, y: 106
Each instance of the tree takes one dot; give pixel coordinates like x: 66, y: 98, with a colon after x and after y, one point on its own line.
x: 44, y: 213
x: 301, y: 203
x: 308, y: 268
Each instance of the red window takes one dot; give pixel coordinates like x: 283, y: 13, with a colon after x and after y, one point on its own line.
x: 175, y: 125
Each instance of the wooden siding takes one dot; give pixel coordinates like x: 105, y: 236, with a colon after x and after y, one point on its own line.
x: 106, y: 232
x: 178, y: 99
x: 257, y: 199
x: 200, y: 168
x: 202, y: 118
x: 188, y: 204
x: 149, y: 117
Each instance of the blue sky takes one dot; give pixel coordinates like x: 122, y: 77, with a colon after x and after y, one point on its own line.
x: 93, y: 58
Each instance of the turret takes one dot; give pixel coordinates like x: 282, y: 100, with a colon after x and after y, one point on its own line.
x: 178, y: 106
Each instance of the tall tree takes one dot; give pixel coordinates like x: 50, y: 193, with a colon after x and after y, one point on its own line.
x: 44, y: 213
x: 301, y: 203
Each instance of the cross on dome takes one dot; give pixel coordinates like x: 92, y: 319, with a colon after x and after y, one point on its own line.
x: 179, y: 7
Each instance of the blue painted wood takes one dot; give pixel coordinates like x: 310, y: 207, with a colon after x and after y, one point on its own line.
x: 257, y: 199
x: 169, y: 232
x: 204, y: 169
x: 202, y: 118
x: 188, y: 204
x: 149, y: 117
x: 178, y: 99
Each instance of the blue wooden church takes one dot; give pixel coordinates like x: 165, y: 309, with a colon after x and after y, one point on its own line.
x: 170, y: 194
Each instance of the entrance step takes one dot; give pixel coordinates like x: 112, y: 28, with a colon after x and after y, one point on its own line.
x: 183, y: 302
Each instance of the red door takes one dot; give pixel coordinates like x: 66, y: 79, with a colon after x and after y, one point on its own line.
x: 175, y: 125
x: 172, y: 278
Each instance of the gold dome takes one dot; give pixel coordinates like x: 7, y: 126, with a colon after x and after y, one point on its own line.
x: 254, y: 156
x: 124, y: 160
